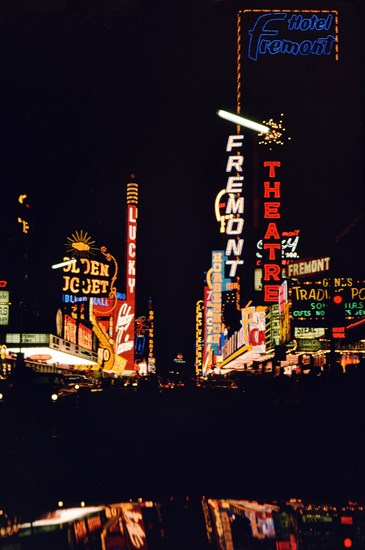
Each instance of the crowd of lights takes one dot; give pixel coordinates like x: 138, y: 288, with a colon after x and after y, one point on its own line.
x: 275, y: 136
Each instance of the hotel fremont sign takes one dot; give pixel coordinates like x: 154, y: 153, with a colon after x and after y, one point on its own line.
x: 292, y: 32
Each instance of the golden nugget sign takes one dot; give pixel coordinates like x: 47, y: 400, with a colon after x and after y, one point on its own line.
x: 86, y: 277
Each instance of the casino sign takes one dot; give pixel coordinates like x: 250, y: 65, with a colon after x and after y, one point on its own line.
x: 86, y: 276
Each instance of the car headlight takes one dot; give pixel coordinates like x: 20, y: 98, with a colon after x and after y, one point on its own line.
x: 1, y: 396
x: 77, y: 387
x: 54, y: 396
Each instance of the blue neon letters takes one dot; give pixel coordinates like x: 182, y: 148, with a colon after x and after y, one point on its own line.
x: 265, y: 40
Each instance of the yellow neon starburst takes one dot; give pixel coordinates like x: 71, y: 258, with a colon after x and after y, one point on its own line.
x: 276, y: 135
x: 80, y: 244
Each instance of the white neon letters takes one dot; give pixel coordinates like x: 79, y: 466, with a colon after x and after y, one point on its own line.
x: 235, y: 206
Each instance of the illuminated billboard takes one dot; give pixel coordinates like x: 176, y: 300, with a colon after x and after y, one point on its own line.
x: 311, y: 300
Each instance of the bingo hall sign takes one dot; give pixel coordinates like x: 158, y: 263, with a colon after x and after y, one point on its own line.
x: 230, y: 206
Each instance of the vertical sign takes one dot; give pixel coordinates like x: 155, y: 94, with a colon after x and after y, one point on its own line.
x: 151, y: 337
x: 271, y: 252
x: 199, y: 340
x: 208, y: 327
x: 124, y: 328
x: 284, y: 314
x: 217, y: 287
x: 232, y: 221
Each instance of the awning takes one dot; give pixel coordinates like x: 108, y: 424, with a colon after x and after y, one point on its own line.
x: 44, y: 354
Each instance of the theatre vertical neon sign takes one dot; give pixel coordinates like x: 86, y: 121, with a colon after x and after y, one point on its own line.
x: 271, y: 278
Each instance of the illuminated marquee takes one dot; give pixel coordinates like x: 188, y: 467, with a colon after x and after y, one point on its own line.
x: 292, y: 32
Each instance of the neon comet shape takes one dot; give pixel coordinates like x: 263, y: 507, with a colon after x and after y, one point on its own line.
x: 62, y: 264
x: 243, y: 121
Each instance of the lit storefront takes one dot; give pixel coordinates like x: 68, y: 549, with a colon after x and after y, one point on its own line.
x: 48, y: 352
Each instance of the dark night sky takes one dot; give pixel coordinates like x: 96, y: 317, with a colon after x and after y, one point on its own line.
x: 90, y: 94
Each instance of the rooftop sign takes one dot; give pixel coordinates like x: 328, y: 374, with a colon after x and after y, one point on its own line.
x: 307, y: 267
x: 292, y: 33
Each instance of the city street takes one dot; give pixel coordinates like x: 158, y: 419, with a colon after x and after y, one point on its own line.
x: 278, y: 439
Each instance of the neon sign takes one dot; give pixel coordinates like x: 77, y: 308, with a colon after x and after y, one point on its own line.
x: 124, y: 327
x: 307, y: 267
x: 272, y: 239
x: 199, y: 336
x: 217, y: 282
x: 210, y: 341
x: 253, y: 325
x: 276, y: 33
x: 288, y: 248
x: 93, y: 284
x: 123, y: 324
x: 232, y: 222
x: 151, y: 335
x: 310, y: 299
